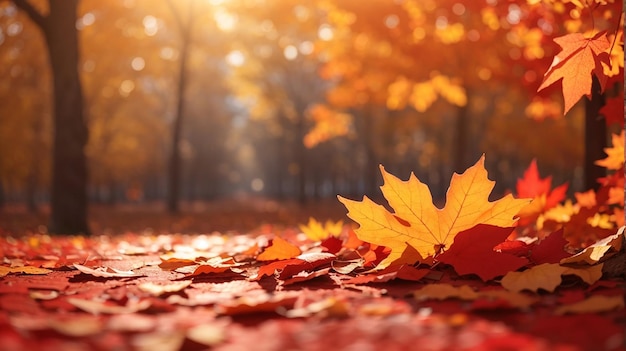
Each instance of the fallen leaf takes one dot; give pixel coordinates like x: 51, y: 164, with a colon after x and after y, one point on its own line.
x: 593, y: 304
x: 550, y: 250
x: 43, y: 294
x: 156, y: 289
x: 208, y: 334
x: 261, y: 302
x: 445, y: 291
x: 580, y: 57
x: 77, y: 326
x: 287, y: 268
x: 548, y: 276
x: 589, y: 275
x: 173, y: 263
x: 23, y: 269
x: 332, y: 244
x: 596, y: 252
x: 206, y: 269
x: 134, y: 322
x: 158, y: 341
x: 105, y: 272
x: 328, y: 307
x: 472, y: 252
x: 347, y: 266
x: 416, y: 222
x: 280, y: 249
x: 487, y: 298
x: 402, y: 272
x: 96, y: 307
x: 304, y: 276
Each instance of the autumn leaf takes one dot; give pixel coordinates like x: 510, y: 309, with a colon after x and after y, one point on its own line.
x: 615, y: 158
x: 97, y: 307
x: 599, y: 250
x: 531, y: 185
x: 473, y: 253
x: 580, y: 57
x: 106, y: 272
x: 316, y: 231
x: 445, y: 291
x: 402, y: 272
x: 548, y: 276
x: 155, y: 289
x: 593, y: 304
x: 287, y: 268
x: 494, y: 298
x: 24, y: 269
x: 416, y: 222
x: 280, y: 249
x: 550, y: 250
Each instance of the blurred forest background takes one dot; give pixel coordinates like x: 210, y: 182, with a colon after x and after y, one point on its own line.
x: 291, y: 99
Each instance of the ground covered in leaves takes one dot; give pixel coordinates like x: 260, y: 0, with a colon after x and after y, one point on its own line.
x: 284, y: 286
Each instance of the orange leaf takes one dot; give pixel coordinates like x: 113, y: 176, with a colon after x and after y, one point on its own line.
x: 615, y: 158
x: 418, y: 223
x: 575, y: 63
x: 279, y: 250
x: 547, y: 276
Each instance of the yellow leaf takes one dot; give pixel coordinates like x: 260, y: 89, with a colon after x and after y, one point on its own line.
x: 315, y: 231
x: 594, y: 253
x: 548, y: 276
x: 419, y: 224
x: 593, y: 304
x: 615, y: 158
x: 545, y: 276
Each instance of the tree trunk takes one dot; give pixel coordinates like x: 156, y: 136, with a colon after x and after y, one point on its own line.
x: 69, y: 165
x: 459, y: 158
x: 69, y: 173
x: 174, y: 167
x: 595, y: 137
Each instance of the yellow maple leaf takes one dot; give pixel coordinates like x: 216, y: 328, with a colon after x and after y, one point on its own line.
x: 615, y: 158
x: 417, y: 223
x: 315, y: 231
x: 548, y: 276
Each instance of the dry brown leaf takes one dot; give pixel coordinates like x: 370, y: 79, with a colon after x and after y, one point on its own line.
x: 106, y: 272
x: 207, y: 334
x: 593, y: 304
x: 445, y: 291
x: 96, y: 307
x: 548, y: 276
x: 156, y: 289
x: 596, y: 252
x: 23, y: 269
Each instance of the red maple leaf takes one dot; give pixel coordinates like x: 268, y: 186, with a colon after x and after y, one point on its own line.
x: 472, y: 253
x: 544, y: 198
x: 531, y: 185
x: 613, y: 111
x: 550, y: 250
x: 580, y: 57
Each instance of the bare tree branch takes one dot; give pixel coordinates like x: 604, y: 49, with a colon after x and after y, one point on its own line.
x: 32, y: 12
